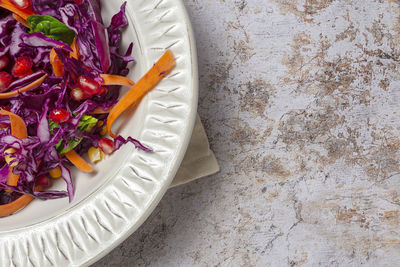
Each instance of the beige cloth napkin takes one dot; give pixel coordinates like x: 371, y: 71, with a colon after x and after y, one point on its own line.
x: 199, y: 160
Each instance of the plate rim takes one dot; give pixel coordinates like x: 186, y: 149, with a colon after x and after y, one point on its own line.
x: 28, y: 244
x: 185, y: 144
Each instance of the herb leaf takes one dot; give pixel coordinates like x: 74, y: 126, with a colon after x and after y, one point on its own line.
x: 51, y: 27
x: 52, y: 126
x: 87, y: 123
x: 72, y: 143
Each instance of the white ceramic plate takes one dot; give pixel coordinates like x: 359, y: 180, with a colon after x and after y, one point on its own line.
x: 113, y: 203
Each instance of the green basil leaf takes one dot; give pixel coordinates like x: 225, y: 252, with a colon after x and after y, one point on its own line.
x: 51, y: 27
x: 87, y: 123
x: 72, y: 143
x: 52, y: 126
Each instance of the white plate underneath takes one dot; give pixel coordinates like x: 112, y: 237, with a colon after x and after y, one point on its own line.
x: 111, y: 204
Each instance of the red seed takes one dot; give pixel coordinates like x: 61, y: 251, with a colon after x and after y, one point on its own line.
x: 106, y: 145
x: 78, y: 95
x: 3, y: 126
x: 5, y: 81
x: 22, y: 4
x: 23, y: 67
x: 79, y: 2
x: 103, y: 91
x: 43, y: 180
x: 4, y: 108
x: 59, y: 115
x: 4, y: 62
x: 88, y: 85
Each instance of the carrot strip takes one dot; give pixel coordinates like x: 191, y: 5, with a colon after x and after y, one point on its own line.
x: 110, y: 79
x: 12, y: 179
x: 78, y: 161
x: 22, y: 13
x: 56, y: 63
x: 159, y: 70
x: 100, y: 111
x: 27, y: 88
x: 20, y: 20
x: 18, y: 126
x: 16, y: 205
x: 75, y: 50
x: 18, y: 130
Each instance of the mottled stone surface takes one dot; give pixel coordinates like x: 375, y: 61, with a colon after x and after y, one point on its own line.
x: 301, y: 100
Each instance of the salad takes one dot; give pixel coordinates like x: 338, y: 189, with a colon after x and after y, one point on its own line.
x: 60, y: 76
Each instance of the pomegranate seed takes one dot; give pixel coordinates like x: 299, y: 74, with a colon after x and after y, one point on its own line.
x: 23, y: 67
x: 88, y: 85
x: 103, y: 91
x: 21, y: 4
x: 5, y: 81
x: 4, y: 108
x: 79, y: 2
x: 106, y: 145
x: 78, y: 95
x: 3, y: 126
x: 43, y: 180
x: 4, y: 62
x: 59, y: 115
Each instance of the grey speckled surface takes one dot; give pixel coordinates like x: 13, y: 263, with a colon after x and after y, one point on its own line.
x: 301, y: 101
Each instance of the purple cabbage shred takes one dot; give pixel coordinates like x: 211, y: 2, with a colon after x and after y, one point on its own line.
x: 98, y: 46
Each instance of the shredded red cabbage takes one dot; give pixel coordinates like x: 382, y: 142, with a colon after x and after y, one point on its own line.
x: 99, y: 51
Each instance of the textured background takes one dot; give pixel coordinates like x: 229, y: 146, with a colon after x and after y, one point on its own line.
x: 300, y: 99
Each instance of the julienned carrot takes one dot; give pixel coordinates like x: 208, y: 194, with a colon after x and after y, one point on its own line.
x: 18, y: 130
x: 56, y: 63
x: 110, y: 79
x: 75, y: 50
x: 79, y: 162
x: 18, y: 126
x: 12, y: 179
x: 100, y: 111
x: 27, y: 88
x: 16, y: 205
x: 20, y: 20
x: 22, y: 13
x: 159, y: 70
